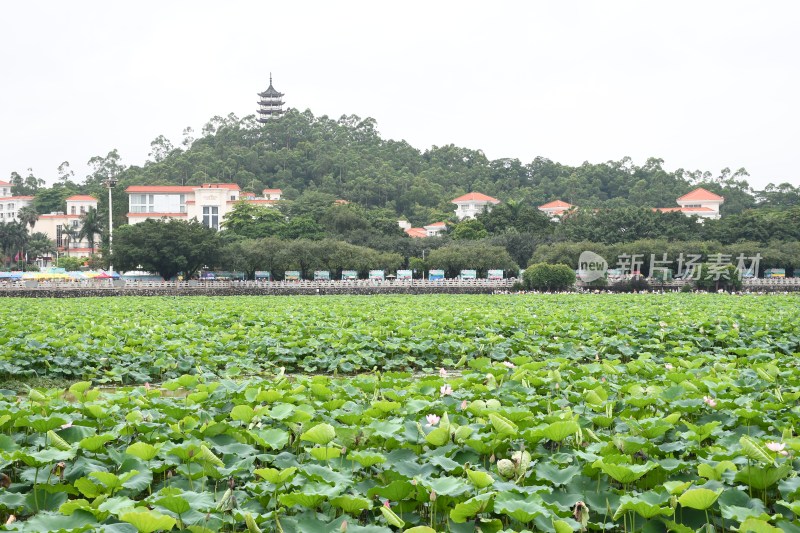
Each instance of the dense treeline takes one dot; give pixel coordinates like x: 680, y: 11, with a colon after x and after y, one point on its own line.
x: 318, y: 160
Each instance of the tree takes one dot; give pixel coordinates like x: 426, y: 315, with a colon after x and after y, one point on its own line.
x: 70, y: 236
x: 166, y: 247
x: 469, y: 230
x: 13, y: 237
x: 714, y: 277
x: 40, y: 245
x: 91, y: 226
x: 477, y: 256
x: 254, y: 221
x: 28, y: 216
x: 547, y: 277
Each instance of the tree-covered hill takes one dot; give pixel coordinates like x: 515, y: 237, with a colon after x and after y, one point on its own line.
x: 347, y: 158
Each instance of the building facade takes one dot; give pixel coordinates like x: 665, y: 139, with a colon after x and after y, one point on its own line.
x: 207, y: 203
x: 473, y: 204
x: 63, y: 227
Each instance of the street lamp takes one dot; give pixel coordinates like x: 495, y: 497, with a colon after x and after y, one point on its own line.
x: 110, y: 183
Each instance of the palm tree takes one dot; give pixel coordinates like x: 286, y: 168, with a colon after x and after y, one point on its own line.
x: 13, y: 237
x: 28, y: 215
x: 91, y: 227
x: 70, y: 234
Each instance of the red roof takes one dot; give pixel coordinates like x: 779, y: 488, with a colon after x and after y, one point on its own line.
x: 436, y: 225
x: 417, y: 233
x: 260, y: 201
x: 272, y: 191
x: 81, y: 198
x: 160, y: 188
x: 701, y: 194
x: 156, y: 215
x: 231, y: 186
x: 17, y: 198
x: 555, y: 204
x: 4, y: 184
x: 475, y: 197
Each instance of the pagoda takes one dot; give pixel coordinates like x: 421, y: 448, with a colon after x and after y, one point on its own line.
x: 270, y: 105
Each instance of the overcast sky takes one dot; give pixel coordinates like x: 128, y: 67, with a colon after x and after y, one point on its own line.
x: 703, y: 85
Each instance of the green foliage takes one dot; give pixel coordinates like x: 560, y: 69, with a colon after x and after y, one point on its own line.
x: 715, y: 277
x: 478, y: 256
x: 585, y: 426
x: 167, y: 247
x: 547, y: 277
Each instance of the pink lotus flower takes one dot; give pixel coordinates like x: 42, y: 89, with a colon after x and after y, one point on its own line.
x: 711, y: 402
x: 509, y: 364
x: 464, y: 405
x: 432, y: 420
x: 67, y: 425
x: 777, y: 447
x: 387, y: 504
x: 446, y: 390
x: 669, y: 366
x: 442, y: 373
x: 146, y: 385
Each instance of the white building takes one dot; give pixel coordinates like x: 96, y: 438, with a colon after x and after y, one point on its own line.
x: 57, y: 226
x: 10, y: 205
x: 207, y: 203
x: 435, y: 230
x: 700, y: 202
x: 5, y: 189
x: 473, y: 204
x: 555, y: 209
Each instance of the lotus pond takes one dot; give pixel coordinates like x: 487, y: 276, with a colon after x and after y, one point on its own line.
x: 476, y: 413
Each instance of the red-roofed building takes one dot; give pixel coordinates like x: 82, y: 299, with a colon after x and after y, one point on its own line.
x: 207, y: 203
x: 5, y: 189
x: 57, y: 226
x: 272, y: 194
x: 555, y: 209
x: 436, y: 229
x: 416, y: 233
x: 699, y: 202
x: 472, y: 204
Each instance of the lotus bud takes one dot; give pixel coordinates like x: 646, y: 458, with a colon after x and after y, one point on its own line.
x: 433, y: 495
x: 11, y: 520
x: 492, y: 459
x: 506, y: 468
x: 523, y: 460
x: 343, y: 527
x: 673, y: 501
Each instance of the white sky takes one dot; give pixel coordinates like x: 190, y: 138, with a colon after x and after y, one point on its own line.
x: 703, y: 85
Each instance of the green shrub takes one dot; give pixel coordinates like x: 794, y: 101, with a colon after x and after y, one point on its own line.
x: 547, y: 277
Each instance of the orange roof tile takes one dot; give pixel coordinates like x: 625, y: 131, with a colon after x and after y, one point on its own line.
x: 160, y: 188
x: 260, y: 201
x: 701, y: 194
x: 436, y: 225
x: 555, y: 204
x: 475, y: 197
x: 417, y: 233
x: 4, y: 184
x: 81, y: 198
x: 271, y: 191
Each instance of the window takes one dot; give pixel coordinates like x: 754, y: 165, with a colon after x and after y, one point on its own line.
x: 59, y: 236
x: 142, y: 203
x: 233, y: 198
x: 75, y: 223
x: 211, y: 216
x: 83, y: 210
x: 72, y: 210
x: 182, y: 203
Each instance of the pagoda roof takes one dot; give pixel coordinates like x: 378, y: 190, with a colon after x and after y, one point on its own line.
x: 270, y: 92
x: 701, y: 194
x: 475, y: 197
